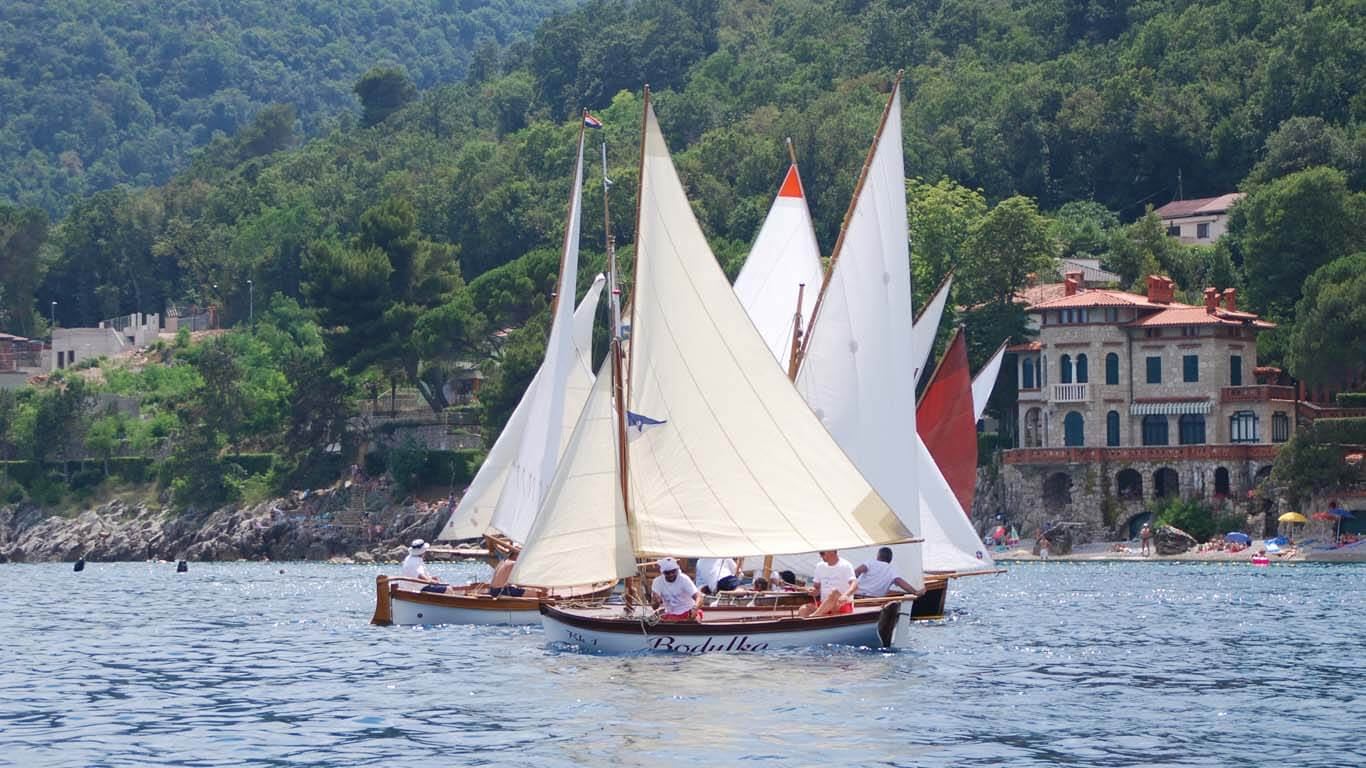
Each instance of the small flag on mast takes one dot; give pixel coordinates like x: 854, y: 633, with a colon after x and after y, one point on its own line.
x: 637, y: 424
x: 590, y: 121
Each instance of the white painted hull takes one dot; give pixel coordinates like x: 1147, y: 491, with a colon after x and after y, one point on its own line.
x: 721, y: 637
x: 409, y: 613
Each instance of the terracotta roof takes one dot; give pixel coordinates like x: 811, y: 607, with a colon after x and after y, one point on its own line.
x: 1183, y: 314
x: 1028, y: 346
x: 9, y: 337
x: 1178, y: 209
x: 1097, y: 297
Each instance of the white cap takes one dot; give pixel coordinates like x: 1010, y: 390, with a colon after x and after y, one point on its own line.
x: 668, y: 564
x: 418, y: 547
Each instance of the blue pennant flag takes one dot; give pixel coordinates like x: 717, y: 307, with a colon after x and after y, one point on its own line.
x: 637, y: 424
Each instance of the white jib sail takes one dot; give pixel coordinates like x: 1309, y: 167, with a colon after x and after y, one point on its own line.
x: 785, y: 256
x: 533, y: 466
x: 925, y: 328
x: 580, y: 535
x: 858, y: 372
x: 735, y: 463
x: 985, y: 381
x: 951, y: 543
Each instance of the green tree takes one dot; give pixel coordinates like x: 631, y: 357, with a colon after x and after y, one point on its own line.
x: 1144, y: 248
x: 1083, y: 228
x: 1290, y: 227
x: 382, y: 92
x: 103, y: 436
x: 940, y: 217
x: 1328, y: 342
x: 22, y: 234
x: 1003, y: 249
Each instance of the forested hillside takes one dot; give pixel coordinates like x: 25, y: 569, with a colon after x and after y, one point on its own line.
x: 95, y: 93
x: 1033, y: 130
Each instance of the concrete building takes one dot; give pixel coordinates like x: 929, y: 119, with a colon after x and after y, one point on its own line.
x: 72, y: 345
x: 1198, y: 222
x: 20, y: 358
x: 1126, y: 398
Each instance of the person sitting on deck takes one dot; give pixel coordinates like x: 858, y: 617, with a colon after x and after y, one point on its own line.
x: 415, y: 568
x: 715, y: 574
x: 833, y: 588
x: 676, y: 593
x: 499, y: 586
x: 877, y: 577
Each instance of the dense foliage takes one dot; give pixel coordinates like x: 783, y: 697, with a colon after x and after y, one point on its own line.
x: 404, y: 236
x: 103, y: 93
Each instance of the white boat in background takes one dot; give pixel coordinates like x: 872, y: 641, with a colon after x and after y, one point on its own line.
x: 724, y: 458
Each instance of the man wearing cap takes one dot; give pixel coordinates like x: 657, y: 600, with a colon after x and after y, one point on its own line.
x: 676, y: 593
x: 833, y: 590
x: 415, y: 568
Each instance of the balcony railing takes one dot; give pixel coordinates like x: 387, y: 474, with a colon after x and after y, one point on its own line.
x: 1070, y: 393
x: 1140, y: 453
x: 1256, y: 393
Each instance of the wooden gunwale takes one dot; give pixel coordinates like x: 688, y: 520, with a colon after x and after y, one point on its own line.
x: 485, y: 602
x: 757, y: 625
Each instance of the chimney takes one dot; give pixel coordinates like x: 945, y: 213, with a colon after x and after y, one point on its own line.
x: 1231, y: 299
x: 1211, y: 300
x: 1159, y: 289
x: 1069, y: 286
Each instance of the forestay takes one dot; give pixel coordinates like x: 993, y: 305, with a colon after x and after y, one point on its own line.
x: 785, y: 256
x: 857, y: 370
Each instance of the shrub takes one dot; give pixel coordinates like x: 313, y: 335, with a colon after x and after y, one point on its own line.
x: 1190, y: 515
x: 1352, y: 399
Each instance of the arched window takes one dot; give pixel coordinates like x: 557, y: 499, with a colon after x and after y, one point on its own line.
x: 1082, y: 375
x: 1027, y: 375
x: 1065, y: 369
x: 1074, y: 429
x: 1129, y: 485
x: 1154, y: 430
x: 1221, y: 482
x: 1112, y: 369
x: 1112, y: 428
x: 1166, y: 483
x: 1191, y: 429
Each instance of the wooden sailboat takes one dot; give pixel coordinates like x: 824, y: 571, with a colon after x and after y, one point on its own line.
x: 722, y: 458
x: 503, y: 501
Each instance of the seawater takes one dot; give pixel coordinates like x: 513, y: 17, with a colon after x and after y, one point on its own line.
x: 1120, y: 664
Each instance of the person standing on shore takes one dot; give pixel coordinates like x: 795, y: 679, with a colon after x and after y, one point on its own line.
x: 1145, y: 535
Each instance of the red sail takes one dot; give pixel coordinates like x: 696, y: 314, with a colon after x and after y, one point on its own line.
x: 944, y: 419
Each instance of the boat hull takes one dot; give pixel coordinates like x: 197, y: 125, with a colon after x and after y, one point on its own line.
x: 403, y: 605
x: 592, y: 631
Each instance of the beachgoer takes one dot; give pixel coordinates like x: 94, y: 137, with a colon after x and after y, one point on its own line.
x: 715, y: 574
x: 877, y: 577
x: 675, y: 593
x: 1145, y: 535
x: 415, y: 568
x: 833, y: 588
x: 1043, y: 547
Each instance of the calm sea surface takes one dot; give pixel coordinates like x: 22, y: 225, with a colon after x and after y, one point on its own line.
x: 1049, y: 664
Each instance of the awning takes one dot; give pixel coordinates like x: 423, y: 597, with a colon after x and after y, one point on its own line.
x: 1170, y: 409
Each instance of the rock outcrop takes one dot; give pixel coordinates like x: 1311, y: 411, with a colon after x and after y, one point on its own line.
x: 1170, y: 540
x: 284, y: 529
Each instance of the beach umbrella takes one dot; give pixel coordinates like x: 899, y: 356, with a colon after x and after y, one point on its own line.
x: 1339, y: 514
x: 999, y: 532
x: 1292, y: 517
x: 1324, y: 516
x: 1237, y: 537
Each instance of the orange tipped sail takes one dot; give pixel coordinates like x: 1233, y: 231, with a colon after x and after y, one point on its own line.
x: 946, y: 423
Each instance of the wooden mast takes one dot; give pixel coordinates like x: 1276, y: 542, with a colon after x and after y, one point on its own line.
x: 853, y: 203
x: 618, y: 385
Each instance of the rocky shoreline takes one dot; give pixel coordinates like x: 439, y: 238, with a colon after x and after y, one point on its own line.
x: 281, y: 529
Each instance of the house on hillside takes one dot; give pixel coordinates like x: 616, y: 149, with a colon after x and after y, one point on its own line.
x: 119, y: 334
x: 1198, y: 222
x: 1125, y: 398
x: 20, y: 358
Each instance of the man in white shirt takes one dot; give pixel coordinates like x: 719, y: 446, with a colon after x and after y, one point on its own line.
x: 676, y: 593
x: 415, y: 568
x: 833, y: 587
x: 877, y: 577
x: 715, y: 574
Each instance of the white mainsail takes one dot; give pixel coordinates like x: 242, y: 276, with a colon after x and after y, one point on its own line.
x: 735, y: 463
x: 785, y: 256
x: 925, y: 327
x: 951, y: 543
x: 857, y: 371
x: 985, y: 381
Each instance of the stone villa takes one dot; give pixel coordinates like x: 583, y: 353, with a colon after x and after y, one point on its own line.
x: 1126, y: 398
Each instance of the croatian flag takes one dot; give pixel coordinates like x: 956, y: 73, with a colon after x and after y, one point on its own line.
x: 637, y: 424
x: 590, y: 121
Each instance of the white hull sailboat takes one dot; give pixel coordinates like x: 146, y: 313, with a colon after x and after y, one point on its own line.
x: 610, y: 629
x: 723, y: 459
x: 408, y: 606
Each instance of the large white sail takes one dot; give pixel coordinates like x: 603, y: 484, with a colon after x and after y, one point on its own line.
x: 858, y: 370
x: 926, y: 326
x: 985, y: 381
x: 785, y: 256
x: 951, y: 543
x: 581, y: 535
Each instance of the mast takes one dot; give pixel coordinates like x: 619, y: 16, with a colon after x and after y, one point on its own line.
x: 795, y: 358
x: 848, y: 214
x: 618, y: 383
